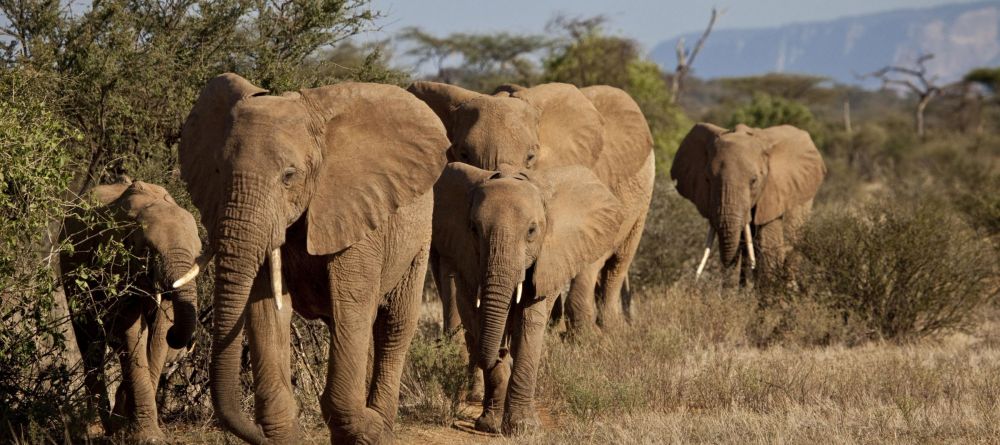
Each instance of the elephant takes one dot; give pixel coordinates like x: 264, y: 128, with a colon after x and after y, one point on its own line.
x: 519, y: 237
x: 754, y: 186
x: 150, y: 313
x: 321, y: 198
x: 554, y: 125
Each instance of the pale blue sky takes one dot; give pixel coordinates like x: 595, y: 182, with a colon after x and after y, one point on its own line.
x: 648, y: 21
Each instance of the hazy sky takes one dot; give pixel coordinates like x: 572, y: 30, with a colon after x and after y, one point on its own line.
x: 648, y: 21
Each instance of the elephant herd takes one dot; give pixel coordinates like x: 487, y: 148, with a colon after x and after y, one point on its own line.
x: 332, y: 202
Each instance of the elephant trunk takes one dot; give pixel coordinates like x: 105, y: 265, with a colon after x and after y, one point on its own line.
x: 730, y: 222
x: 179, y: 263
x: 243, y: 239
x: 504, y: 275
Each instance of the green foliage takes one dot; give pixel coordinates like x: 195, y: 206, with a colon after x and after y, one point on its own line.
x: 484, y: 60
x: 667, y: 122
x: 35, y: 169
x: 767, y: 111
x: 434, y: 378
x: 900, y: 269
x: 988, y: 77
x: 586, y: 56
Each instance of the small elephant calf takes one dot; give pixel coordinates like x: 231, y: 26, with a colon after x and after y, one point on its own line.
x: 142, y: 306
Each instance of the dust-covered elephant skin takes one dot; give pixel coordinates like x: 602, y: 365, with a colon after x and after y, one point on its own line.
x: 519, y: 237
x: 318, y: 200
x: 150, y: 312
x: 755, y: 187
x: 554, y: 125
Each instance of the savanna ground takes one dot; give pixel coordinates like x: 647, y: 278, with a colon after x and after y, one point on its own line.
x: 888, y: 334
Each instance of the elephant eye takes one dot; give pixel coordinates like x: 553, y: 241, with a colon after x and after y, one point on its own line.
x: 288, y: 175
x: 753, y: 180
x: 532, y: 230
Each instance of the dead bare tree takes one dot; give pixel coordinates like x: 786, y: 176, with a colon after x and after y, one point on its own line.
x: 915, y: 80
x: 685, y: 59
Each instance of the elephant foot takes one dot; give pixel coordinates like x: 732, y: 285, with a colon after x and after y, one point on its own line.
x: 489, y: 422
x: 520, y: 421
x: 143, y: 435
x: 366, y: 427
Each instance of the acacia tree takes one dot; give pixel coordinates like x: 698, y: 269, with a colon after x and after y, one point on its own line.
x: 915, y: 80
x: 482, y: 61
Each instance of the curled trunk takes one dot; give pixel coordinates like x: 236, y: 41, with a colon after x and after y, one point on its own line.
x: 185, y: 301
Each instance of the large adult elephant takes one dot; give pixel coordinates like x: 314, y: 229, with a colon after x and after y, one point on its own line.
x: 554, y: 125
x: 331, y: 189
x: 755, y: 187
x: 519, y: 237
x: 149, y: 310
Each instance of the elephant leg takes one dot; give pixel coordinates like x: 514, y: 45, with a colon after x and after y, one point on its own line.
x: 579, y: 304
x: 612, y: 310
x: 354, y: 286
x: 495, y: 382
x: 269, y: 337
x: 395, y: 325
x: 464, y: 298
x: 140, y: 397
x: 93, y: 347
x: 444, y: 280
x: 771, y: 239
x: 527, y: 338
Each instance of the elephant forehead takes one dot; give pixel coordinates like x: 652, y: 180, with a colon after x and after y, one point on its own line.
x: 508, y: 197
x: 169, y: 227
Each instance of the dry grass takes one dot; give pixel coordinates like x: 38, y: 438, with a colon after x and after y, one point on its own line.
x: 690, y: 370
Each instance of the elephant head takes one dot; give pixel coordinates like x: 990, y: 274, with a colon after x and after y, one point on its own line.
x: 517, y: 128
x: 520, y: 236
x: 338, y: 159
x: 170, y: 235
x: 745, y: 177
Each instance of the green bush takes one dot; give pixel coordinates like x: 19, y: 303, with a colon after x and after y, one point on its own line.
x: 37, y: 385
x: 672, y: 240
x: 434, y: 377
x: 899, y: 269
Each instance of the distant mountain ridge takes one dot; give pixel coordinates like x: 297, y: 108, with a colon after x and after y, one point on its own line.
x: 961, y: 37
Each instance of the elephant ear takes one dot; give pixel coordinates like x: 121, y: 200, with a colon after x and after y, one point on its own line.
x: 690, y: 167
x: 583, y: 218
x: 381, y: 148
x: 570, y: 129
x: 443, y: 99
x: 627, y: 142
x: 453, y: 237
x: 203, y: 139
x: 795, y: 171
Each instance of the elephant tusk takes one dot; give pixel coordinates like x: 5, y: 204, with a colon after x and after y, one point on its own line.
x: 477, y: 301
x: 517, y: 299
x: 275, y: 260
x: 750, y: 253
x: 187, y: 277
x: 159, y: 298
x: 708, y: 250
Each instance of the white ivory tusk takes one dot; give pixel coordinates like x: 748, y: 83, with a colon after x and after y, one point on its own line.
x: 750, y: 254
x: 477, y: 301
x: 708, y: 250
x: 187, y: 277
x: 275, y: 260
x: 159, y: 298
x: 518, y: 298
